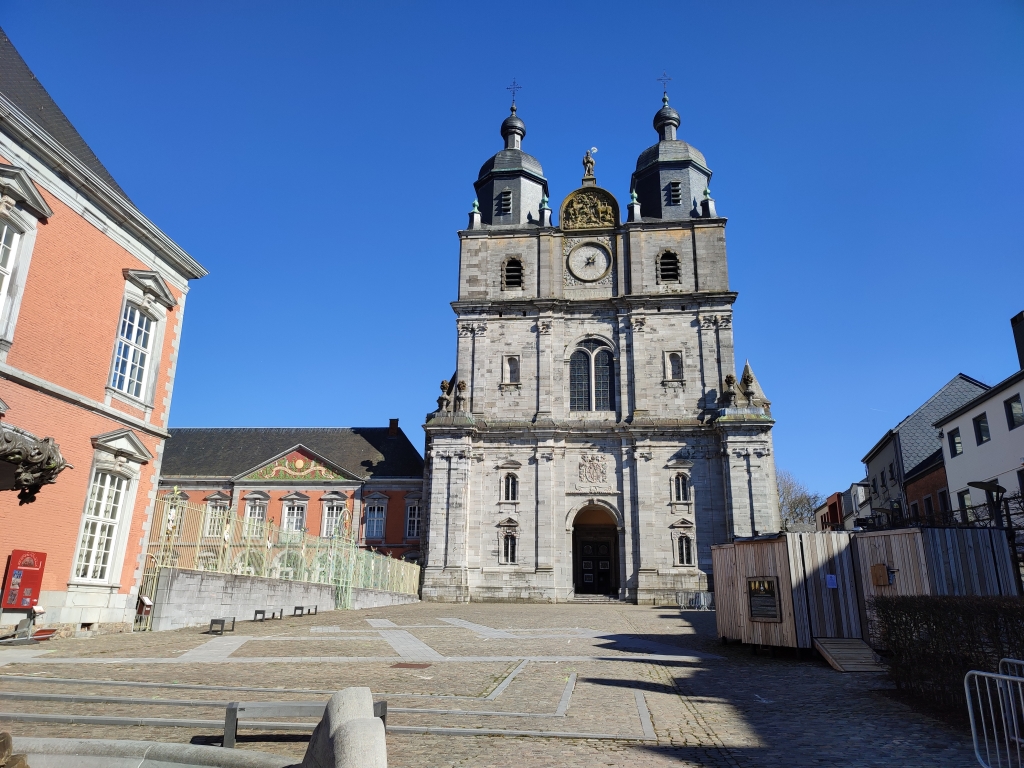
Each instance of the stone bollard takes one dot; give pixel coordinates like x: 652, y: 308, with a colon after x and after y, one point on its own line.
x: 348, y: 736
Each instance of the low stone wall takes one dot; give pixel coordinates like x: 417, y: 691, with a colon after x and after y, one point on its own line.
x: 376, y: 598
x: 186, y: 598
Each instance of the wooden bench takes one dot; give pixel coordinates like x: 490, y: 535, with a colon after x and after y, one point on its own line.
x: 254, y: 710
x: 219, y: 626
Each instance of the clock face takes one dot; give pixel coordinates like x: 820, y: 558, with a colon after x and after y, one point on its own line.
x: 589, y: 262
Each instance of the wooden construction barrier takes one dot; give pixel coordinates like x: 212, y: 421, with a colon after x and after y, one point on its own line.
x: 787, y: 589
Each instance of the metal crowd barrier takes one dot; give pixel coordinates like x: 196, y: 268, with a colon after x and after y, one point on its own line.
x: 995, y: 703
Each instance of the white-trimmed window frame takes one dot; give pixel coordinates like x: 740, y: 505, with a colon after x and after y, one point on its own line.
x: 413, y: 520
x: 217, y: 516
x: 157, y: 313
x: 254, y: 520
x: 129, y: 472
x: 371, y: 505
x: 12, y: 285
x: 334, y: 508
x: 293, y: 516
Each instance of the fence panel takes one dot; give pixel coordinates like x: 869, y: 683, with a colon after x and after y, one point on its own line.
x: 995, y: 704
x: 215, y: 539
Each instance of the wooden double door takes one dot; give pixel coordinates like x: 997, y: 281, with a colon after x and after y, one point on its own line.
x: 595, y: 560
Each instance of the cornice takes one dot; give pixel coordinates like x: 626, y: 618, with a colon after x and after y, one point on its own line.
x: 705, y: 300
x: 119, y: 208
x: 26, y: 379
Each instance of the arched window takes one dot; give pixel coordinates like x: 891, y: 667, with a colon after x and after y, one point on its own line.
x: 668, y: 268
x: 511, y: 488
x: 685, y: 544
x: 675, y: 366
x: 680, y: 488
x: 592, y: 378
x: 513, y: 370
x: 512, y: 274
x: 508, y: 554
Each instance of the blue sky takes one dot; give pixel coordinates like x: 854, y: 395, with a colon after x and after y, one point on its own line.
x: 318, y: 159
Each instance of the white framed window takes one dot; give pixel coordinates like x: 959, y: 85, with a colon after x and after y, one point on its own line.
x: 132, y: 356
x: 334, y: 513
x: 255, y: 519
x: 510, y: 487
x: 294, y: 518
x: 412, y: 521
x: 375, y: 521
x: 216, y: 519
x: 9, y: 239
x: 99, y: 529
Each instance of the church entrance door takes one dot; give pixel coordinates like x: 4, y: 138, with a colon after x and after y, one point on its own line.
x: 595, y: 553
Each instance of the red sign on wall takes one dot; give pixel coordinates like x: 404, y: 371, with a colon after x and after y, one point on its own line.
x: 24, y: 580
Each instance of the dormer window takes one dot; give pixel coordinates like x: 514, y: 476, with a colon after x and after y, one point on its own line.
x: 503, y: 203
x: 668, y: 268
x: 512, y: 275
x: 674, y: 193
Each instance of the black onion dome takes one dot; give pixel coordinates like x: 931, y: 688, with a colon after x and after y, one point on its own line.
x: 665, y: 116
x: 513, y: 124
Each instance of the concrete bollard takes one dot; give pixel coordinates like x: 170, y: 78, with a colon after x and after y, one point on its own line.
x: 348, y: 736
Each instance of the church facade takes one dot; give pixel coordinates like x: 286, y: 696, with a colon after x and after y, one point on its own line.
x: 595, y: 438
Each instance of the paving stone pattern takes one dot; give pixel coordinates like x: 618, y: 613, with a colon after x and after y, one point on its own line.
x: 629, y: 669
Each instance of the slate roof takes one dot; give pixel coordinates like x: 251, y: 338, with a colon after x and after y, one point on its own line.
x: 918, y: 437
x: 22, y: 88
x: 366, y: 452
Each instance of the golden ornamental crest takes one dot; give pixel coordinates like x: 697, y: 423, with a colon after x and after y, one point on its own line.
x: 589, y: 208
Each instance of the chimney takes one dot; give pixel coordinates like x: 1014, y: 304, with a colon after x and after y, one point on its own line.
x: 393, y: 428
x: 1017, y: 323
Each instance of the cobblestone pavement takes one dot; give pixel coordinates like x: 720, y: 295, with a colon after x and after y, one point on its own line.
x: 553, y: 685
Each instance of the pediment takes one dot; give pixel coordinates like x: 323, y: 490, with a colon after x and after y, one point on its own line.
x: 589, y: 208
x: 257, y: 496
x: 377, y: 496
x: 679, y: 464
x: 334, y: 496
x: 296, y: 465
x: 15, y: 183
x: 682, y: 522
x: 151, y: 284
x: 508, y: 522
x: 218, y: 496
x: 176, y: 495
x: 295, y: 496
x: 123, y: 442
x: 510, y: 464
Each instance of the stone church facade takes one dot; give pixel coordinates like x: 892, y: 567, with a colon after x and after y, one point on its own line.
x: 595, y: 437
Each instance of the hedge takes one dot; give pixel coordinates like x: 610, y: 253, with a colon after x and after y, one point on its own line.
x: 931, y: 642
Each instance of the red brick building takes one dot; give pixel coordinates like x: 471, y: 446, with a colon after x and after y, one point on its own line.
x: 317, y: 480
x: 92, y: 296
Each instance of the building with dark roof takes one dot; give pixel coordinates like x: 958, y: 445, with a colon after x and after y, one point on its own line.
x: 92, y: 297
x: 314, y: 479
x: 907, y: 453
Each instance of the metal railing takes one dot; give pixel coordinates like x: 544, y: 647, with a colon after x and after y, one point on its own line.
x: 995, y: 703
x: 215, y: 539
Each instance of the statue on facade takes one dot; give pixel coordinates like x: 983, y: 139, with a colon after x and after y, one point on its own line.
x: 460, y: 398
x: 588, y: 165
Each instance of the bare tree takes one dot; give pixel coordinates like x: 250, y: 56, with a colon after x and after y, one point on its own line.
x: 796, y: 502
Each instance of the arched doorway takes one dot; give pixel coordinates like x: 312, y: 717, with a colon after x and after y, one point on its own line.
x: 595, y: 552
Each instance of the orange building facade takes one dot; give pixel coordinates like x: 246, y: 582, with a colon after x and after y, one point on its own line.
x: 364, y: 482
x: 93, y: 297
